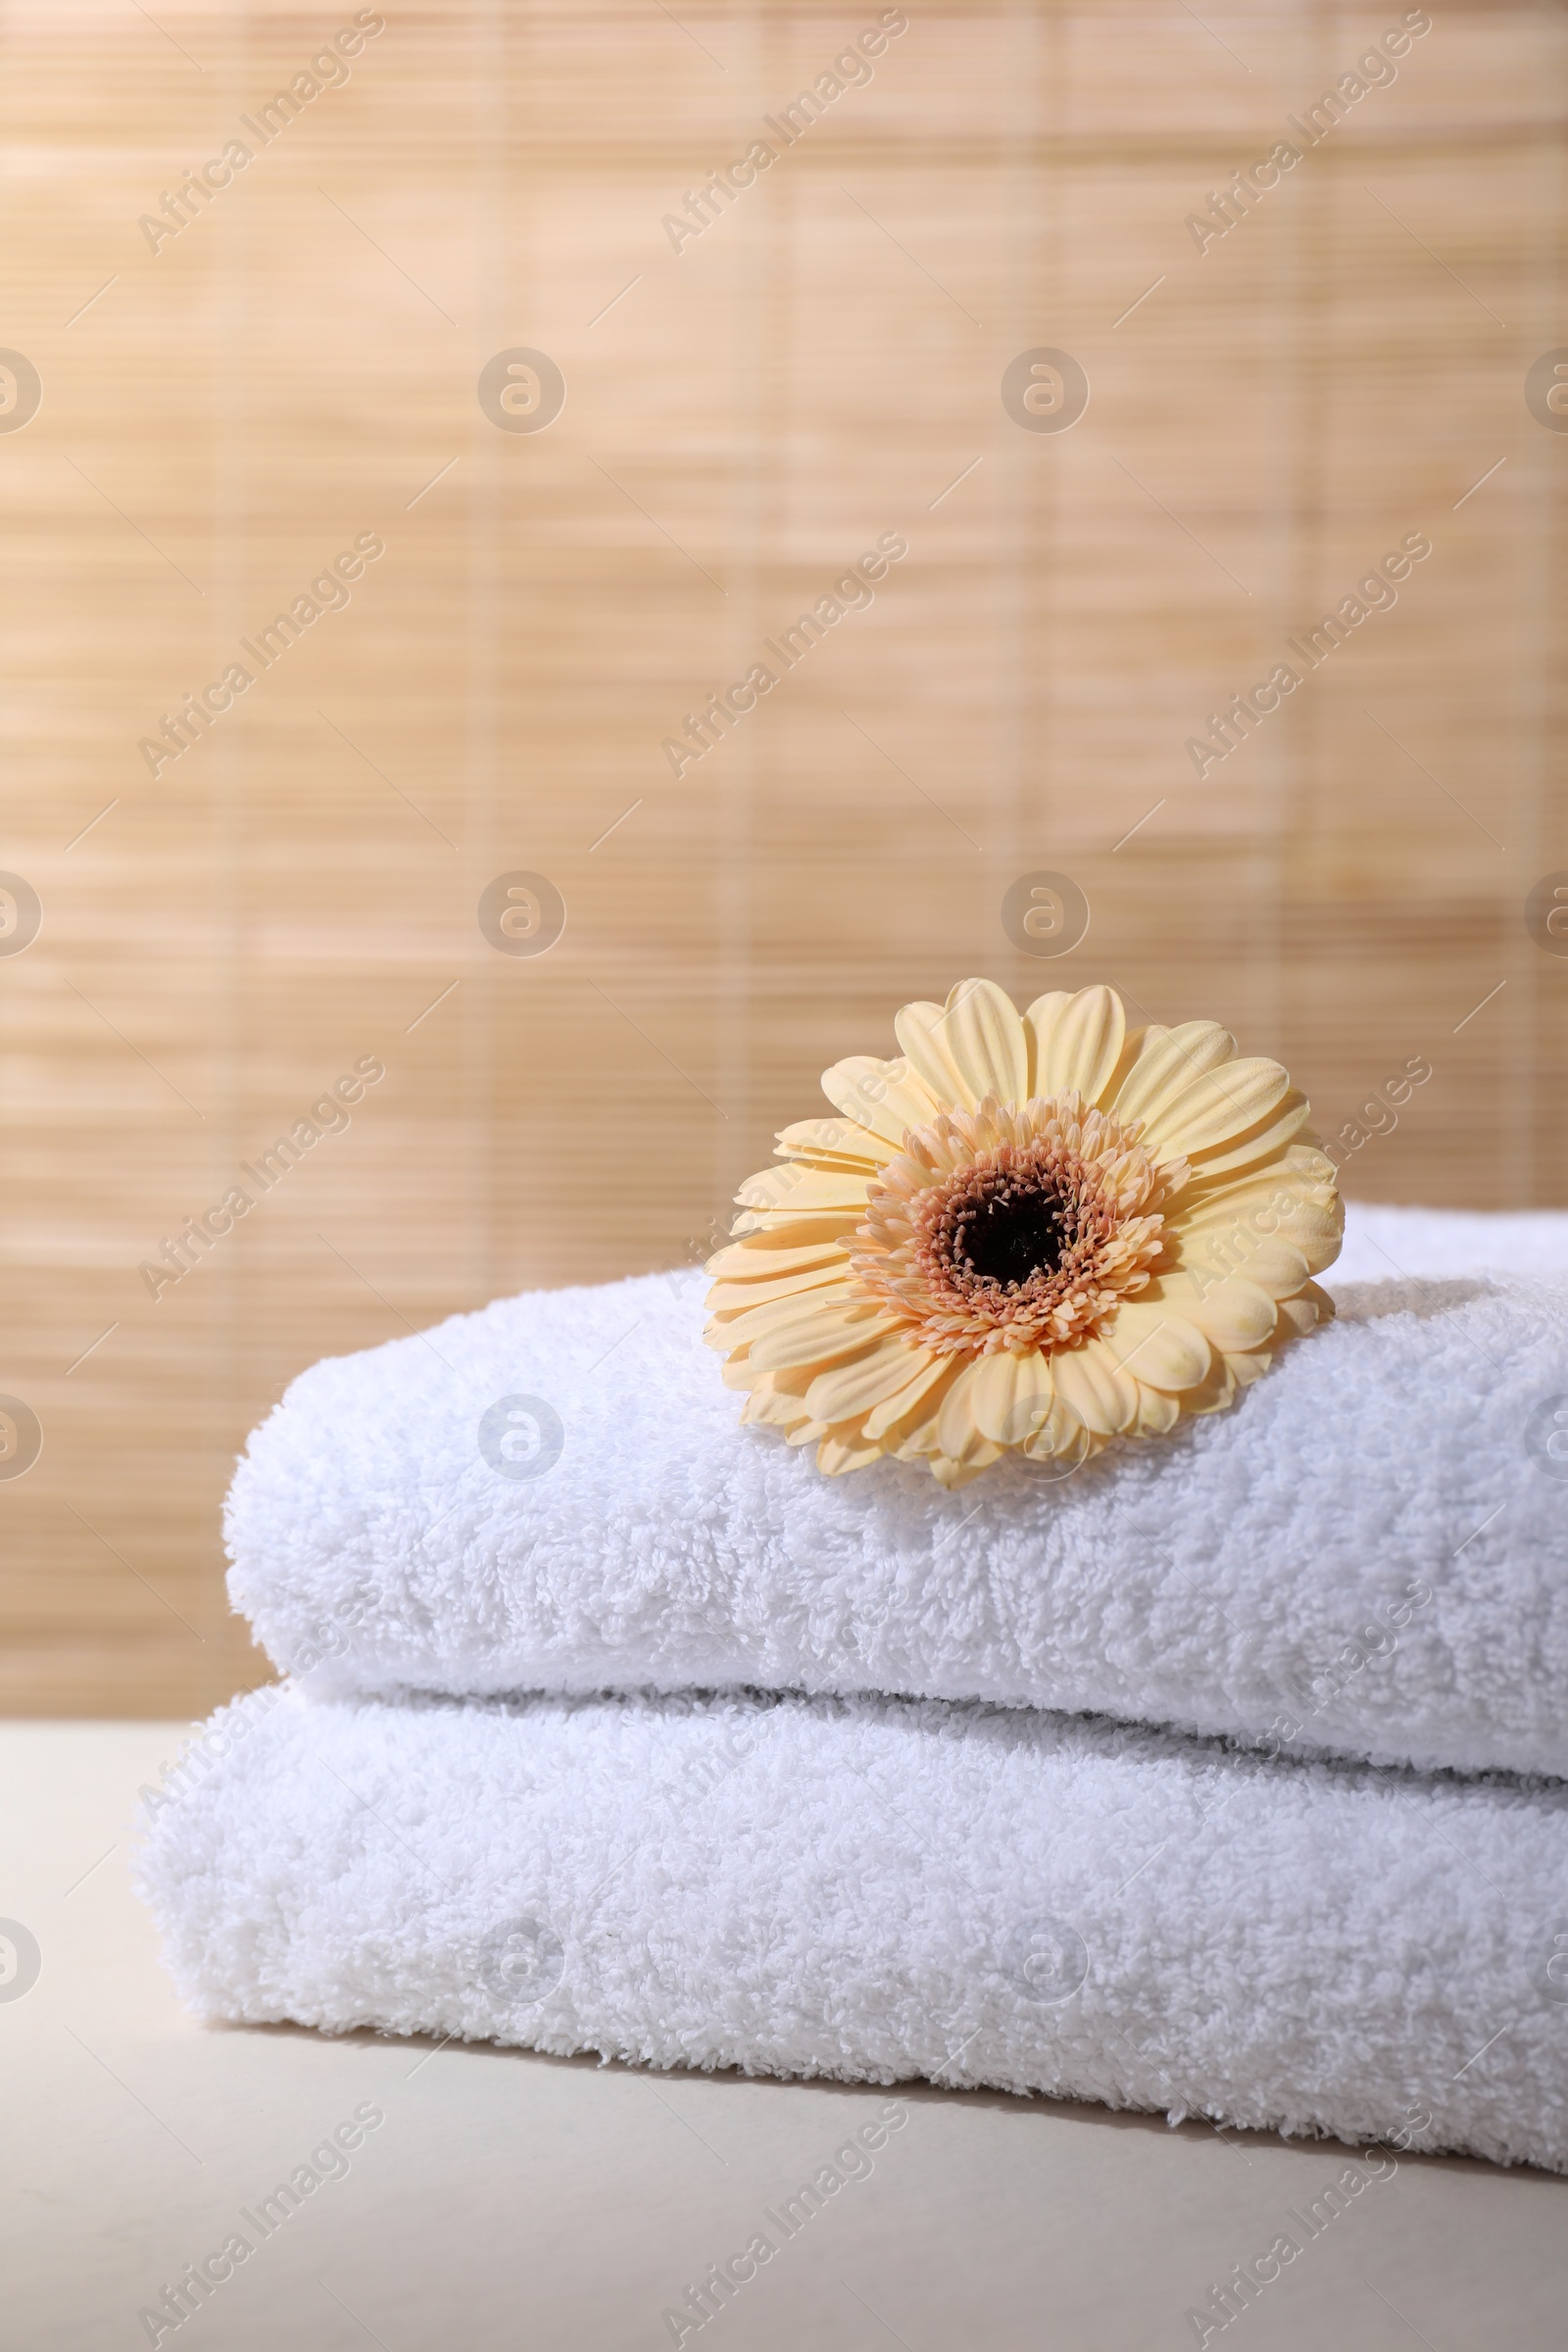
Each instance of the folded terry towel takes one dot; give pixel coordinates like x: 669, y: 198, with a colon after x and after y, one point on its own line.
x: 1382, y: 1243
x: 1364, y: 1556
x: 873, y: 1890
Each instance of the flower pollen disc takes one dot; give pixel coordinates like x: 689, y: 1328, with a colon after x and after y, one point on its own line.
x: 1002, y: 1229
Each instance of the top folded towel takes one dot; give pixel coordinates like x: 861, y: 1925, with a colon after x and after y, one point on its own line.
x: 555, y: 1494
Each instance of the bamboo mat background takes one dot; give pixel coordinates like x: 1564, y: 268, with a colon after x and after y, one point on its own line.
x: 821, y: 366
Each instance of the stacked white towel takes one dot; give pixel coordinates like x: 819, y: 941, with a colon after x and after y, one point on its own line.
x: 1363, y: 1557
x: 553, y: 1497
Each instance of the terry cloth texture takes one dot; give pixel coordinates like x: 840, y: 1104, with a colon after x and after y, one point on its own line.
x: 1363, y: 1558
x: 875, y: 1891
x: 1384, y: 1243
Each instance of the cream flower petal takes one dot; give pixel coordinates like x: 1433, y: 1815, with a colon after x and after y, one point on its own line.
x: 1157, y: 1347
x: 835, y: 1142
x: 729, y: 1299
x: 786, y: 1385
x: 1062, y: 1437
x: 847, y: 1392
x: 802, y: 1189
x: 1082, y: 1045
x: 984, y: 1038
x: 1275, y: 1266
x: 1306, y: 1160
x: 1010, y: 1394
x: 1215, y: 1109
x: 898, y: 1408
x: 753, y: 1317
x: 1039, y: 1023
x: 818, y: 1336
x: 1088, y: 1382
x: 1283, y: 1189
x: 1215, y: 1394
x: 959, y: 1433
x: 835, y: 1454
x: 756, y: 1262
x: 1297, y: 1173
x: 1101, y: 1362
x: 1170, y: 1059
x: 1233, y: 1313
x: 914, y: 1430
x: 1158, y: 1412
x: 1264, y: 1142
x: 1318, y: 1233
x: 774, y: 1408
x: 1204, y: 1234
x: 953, y: 1475
x: 883, y: 1097
x: 788, y: 1229
x: 918, y: 1029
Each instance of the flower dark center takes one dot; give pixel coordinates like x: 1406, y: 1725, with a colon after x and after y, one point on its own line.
x: 1005, y: 1229
x: 1011, y: 1235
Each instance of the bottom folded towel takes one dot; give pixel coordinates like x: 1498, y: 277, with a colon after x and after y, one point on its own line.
x: 871, y: 1889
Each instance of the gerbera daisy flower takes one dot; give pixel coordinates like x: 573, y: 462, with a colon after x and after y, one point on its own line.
x: 1039, y: 1232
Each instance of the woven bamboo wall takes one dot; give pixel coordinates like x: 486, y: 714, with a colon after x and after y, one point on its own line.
x: 231, y: 401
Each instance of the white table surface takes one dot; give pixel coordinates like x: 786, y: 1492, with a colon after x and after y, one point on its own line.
x: 519, y: 2201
